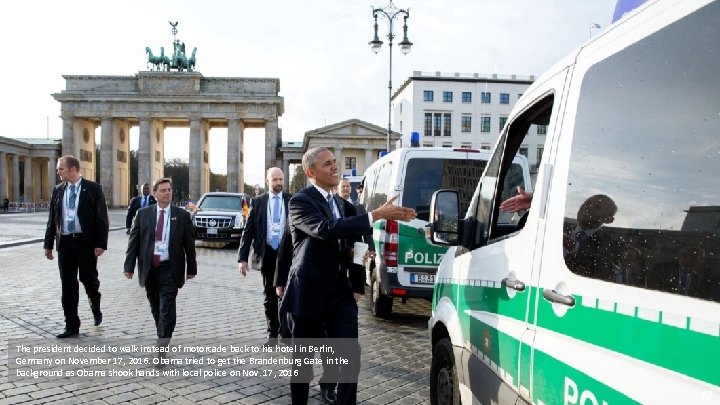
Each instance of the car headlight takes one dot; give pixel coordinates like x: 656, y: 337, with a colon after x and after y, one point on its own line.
x: 238, y: 221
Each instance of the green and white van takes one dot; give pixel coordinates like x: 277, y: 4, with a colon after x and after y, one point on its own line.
x: 405, y: 263
x: 610, y: 291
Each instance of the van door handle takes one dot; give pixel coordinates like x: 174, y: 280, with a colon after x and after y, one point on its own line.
x: 553, y: 296
x: 514, y: 284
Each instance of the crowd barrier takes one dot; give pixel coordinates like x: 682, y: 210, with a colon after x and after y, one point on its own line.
x: 27, y: 207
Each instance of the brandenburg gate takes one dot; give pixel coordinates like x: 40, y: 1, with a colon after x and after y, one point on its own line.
x: 154, y: 101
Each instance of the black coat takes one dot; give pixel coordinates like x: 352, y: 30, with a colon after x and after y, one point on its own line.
x: 91, y: 213
x: 181, y: 246
x: 255, y: 232
x: 318, y: 272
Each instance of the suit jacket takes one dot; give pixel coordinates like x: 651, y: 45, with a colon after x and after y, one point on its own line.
x: 134, y: 206
x: 255, y: 232
x: 356, y: 272
x: 318, y: 272
x: 181, y: 246
x: 594, y: 255
x: 91, y: 213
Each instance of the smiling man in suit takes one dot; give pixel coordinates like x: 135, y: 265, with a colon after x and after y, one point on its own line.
x: 263, y: 230
x: 319, y: 297
x: 78, y: 227
x: 161, y: 241
x: 137, y: 202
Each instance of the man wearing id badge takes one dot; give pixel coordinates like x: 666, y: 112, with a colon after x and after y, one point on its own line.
x: 161, y: 242
x: 263, y: 231
x: 78, y: 226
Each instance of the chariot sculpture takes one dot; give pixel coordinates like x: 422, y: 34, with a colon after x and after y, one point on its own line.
x: 178, y: 60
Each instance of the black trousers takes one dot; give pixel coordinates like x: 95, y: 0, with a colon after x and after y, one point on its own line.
x: 161, y: 292
x: 338, y: 321
x: 74, y: 260
x: 267, y: 268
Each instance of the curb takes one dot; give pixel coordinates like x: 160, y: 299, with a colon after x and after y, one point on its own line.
x: 29, y: 241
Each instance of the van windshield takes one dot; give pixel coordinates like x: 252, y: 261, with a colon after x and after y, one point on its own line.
x: 424, y: 176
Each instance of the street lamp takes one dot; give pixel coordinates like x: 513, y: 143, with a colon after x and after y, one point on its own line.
x: 390, y: 12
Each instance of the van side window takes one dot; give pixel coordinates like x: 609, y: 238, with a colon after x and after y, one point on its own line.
x: 424, y: 176
x: 503, y: 177
x: 642, y: 205
x: 379, y: 193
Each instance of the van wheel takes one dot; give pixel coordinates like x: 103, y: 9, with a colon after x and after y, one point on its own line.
x: 381, y: 303
x: 444, y: 388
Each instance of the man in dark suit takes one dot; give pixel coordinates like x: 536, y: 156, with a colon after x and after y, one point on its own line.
x: 78, y: 225
x: 263, y: 231
x: 318, y: 298
x: 136, y: 203
x: 161, y: 241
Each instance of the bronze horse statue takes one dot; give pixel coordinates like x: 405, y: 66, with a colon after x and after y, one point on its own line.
x: 161, y: 62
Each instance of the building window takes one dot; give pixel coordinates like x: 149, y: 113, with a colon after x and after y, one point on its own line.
x: 447, y: 118
x: 485, y: 97
x: 438, y: 124
x: 427, y: 145
x: 400, y: 126
x: 539, y: 156
x: 485, y: 146
x: 484, y: 124
x: 503, y: 120
x: 428, y: 95
x: 542, y: 129
x: 466, y: 124
x: 350, y: 162
x: 466, y: 145
x: 447, y: 96
x: 447, y: 145
x: 466, y: 97
x: 504, y: 98
x: 519, y: 95
x: 523, y: 151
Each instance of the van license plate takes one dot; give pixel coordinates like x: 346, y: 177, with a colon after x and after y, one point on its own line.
x: 212, y: 231
x: 422, y: 278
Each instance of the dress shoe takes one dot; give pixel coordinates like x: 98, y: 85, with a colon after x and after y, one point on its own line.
x: 328, y: 395
x: 98, y: 318
x: 68, y: 332
x: 161, y: 360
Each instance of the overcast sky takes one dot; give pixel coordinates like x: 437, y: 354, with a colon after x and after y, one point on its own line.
x: 318, y: 49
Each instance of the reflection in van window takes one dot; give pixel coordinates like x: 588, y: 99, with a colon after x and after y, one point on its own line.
x: 424, y: 176
x: 655, y: 161
x: 379, y: 195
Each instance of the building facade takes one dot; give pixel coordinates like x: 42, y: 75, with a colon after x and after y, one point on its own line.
x: 461, y: 111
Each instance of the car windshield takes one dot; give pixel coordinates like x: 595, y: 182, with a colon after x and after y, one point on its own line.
x: 425, y: 176
x: 221, y: 203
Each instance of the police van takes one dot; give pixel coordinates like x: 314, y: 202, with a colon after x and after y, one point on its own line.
x: 608, y: 290
x: 405, y: 264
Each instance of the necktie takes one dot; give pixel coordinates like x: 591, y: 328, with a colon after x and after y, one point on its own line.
x: 71, y: 205
x: 144, y: 203
x: 275, y: 238
x: 331, y: 205
x: 159, y: 236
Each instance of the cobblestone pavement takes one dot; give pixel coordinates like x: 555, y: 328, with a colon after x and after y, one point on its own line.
x: 217, y: 304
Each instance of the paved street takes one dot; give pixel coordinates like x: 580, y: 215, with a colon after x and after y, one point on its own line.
x: 218, y: 304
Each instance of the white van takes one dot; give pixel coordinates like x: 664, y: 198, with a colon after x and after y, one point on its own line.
x: 405, y: 264
x: 610, y: 291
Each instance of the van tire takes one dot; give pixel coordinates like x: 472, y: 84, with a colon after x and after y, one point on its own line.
x: 444, y: 387
x: 381, y: 303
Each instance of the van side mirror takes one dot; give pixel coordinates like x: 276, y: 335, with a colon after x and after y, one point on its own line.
x: 444, y: 223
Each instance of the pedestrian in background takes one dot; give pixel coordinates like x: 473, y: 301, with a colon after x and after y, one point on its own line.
x: 78, y: 226
x: 137, y: 202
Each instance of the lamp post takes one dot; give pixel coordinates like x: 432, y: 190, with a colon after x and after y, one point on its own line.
x: 390, y: 12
